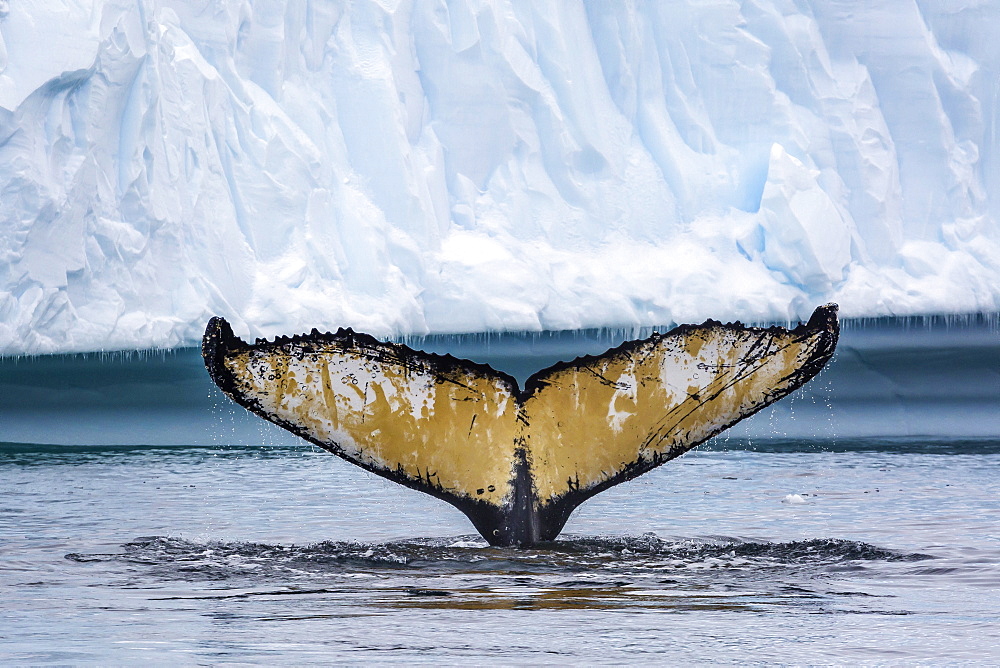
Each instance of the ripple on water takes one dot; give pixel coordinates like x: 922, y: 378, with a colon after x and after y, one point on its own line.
x: 467, y: 553
x: 466, y: 573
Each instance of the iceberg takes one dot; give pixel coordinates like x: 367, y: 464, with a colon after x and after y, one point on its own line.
x: 489, y: 165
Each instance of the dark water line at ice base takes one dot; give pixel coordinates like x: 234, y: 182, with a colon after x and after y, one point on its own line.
x: 890, y: 379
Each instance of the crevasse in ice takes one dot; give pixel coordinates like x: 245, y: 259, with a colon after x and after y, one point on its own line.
x: 467, y: 166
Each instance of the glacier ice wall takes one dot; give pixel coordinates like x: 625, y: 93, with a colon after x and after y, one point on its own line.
x: 474, y: 165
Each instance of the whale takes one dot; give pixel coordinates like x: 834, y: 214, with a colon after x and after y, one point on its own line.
x: 517, y: 461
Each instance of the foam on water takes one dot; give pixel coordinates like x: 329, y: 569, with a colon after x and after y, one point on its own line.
x: 462, y: 554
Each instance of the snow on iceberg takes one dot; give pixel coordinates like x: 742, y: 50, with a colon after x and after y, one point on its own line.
x: 475, y: 165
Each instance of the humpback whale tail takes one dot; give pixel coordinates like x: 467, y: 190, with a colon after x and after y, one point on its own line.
x: 516, y: 461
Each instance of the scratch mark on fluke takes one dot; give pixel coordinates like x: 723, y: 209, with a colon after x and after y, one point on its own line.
x: 516, y: 461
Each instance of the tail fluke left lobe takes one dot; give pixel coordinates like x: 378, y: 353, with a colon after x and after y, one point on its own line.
x: 433, y: 423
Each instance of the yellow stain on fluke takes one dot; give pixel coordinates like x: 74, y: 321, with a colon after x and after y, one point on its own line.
x: 517, y: 462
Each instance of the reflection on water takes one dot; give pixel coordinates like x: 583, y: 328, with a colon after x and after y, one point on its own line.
x: 288, y: 555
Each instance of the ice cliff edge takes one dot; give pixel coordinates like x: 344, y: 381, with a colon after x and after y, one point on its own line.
x: 404, y: 167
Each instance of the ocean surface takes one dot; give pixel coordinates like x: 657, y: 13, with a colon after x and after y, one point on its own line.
x: 813, y: 536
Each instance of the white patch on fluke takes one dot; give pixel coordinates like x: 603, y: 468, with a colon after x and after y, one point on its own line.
x: 625, y: 393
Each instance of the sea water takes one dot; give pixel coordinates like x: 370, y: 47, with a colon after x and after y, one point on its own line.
x: 812, y: 548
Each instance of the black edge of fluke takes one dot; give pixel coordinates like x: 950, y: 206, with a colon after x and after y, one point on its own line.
x: 218, y: 340
x: 825, y: 317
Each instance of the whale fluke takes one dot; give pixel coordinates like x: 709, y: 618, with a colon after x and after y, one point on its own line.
x: 517, y: 462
